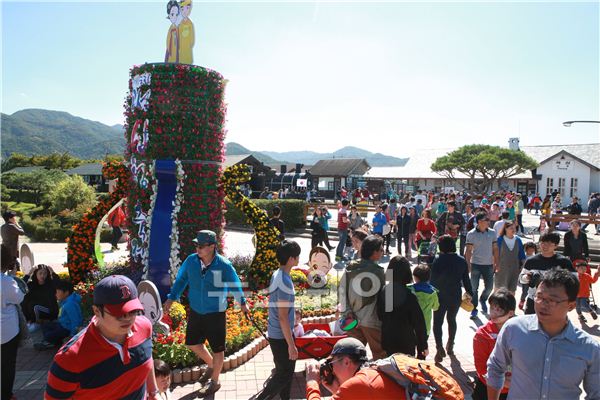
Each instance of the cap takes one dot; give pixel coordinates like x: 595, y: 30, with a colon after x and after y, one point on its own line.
x: 350, y: 346
x: 118, y: 294
x: 205, y: 237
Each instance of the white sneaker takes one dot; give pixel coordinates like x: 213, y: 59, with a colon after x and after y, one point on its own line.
x: 32, y: 327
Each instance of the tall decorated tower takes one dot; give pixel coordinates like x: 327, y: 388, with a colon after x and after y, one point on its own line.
x: 175, y: 117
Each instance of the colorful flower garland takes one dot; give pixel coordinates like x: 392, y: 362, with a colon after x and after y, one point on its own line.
x: 176, y: 112
x: 80, y: 249
x: 267, y: 236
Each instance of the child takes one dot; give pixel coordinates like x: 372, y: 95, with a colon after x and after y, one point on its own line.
x: 583, y: 297
x: 277, y: 222
x: 162, y: 371
x: 427, y: 295
x: 530, y: 251
x: 298, y: 328
x: 69, y: 320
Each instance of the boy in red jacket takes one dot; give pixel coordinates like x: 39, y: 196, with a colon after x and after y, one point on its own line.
x: 583, y: 297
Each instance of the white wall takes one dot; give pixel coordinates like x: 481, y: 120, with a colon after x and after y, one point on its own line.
x: 566, y: 168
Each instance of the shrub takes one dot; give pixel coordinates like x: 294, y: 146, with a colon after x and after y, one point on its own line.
x: 71, y: 194
x: 242, y: 264
x: 292, y: 212
x: 45, y: 229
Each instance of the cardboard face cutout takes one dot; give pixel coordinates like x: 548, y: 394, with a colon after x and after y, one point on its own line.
x: 27, y: 261
x: 319, y: 264
x: 150, y: 299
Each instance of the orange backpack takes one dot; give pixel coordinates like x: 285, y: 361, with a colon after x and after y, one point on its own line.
x: 421, y: 379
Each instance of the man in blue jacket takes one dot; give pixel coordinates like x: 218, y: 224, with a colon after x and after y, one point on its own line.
x: 70, y: 318
x: 210, y: 277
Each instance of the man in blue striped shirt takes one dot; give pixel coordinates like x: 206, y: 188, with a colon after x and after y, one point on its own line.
x: 549, y: 357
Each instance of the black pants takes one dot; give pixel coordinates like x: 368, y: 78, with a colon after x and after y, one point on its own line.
x: 448, y: 310
x: 529, y: 306
x: 280, y: 382
x: 117, y: 233
x: 386, y: 241
x: 520, y: 223
x: 480, y: 391
x: 320, y: 238
x: 9, y: 365
x: 463, y: 244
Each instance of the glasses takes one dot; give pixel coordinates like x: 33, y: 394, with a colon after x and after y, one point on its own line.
x: 124, y: 317
x: 549, y: 302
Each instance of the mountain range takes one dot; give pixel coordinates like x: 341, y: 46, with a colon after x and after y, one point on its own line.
x: 36, y: 131
x: 274, y: 158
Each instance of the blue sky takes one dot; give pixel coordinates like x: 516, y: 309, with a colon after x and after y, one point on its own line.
x: 320, y: 75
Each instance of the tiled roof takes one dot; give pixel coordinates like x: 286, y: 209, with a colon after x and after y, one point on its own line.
x: 23, y: 170
x: 86, y: 169
x: 340, y: 167
x: 590, y: 153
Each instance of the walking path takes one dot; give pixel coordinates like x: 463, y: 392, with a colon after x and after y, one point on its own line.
x: 244, y: 381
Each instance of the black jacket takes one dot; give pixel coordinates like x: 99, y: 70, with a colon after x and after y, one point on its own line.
x: 403, y: 327
x: 403, y: 224
x: 568, y: 250
x: 448, y: 271
x: 574, y: 209
x: 44, y: 295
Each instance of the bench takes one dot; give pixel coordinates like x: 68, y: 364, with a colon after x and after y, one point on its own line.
x: 584, y: 219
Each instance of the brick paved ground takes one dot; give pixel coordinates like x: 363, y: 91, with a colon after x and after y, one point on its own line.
x: 244, y: 381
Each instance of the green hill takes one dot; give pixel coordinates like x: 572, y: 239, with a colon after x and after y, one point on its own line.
x: 35, y: 131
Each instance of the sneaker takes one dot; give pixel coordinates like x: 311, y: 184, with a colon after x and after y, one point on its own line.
x: 594, y: 315
x: 474, y: 313
x: 205, y: 376
x: 43, y: 345
x: 439, y: 355
x: 210, y: 388
x: 450, y: 348
x: 582, y: 318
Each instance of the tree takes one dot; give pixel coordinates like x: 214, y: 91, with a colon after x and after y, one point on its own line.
x: 38, y: 183
x: 62, y: 161
x: 483, y: 164
x: 71, y: 194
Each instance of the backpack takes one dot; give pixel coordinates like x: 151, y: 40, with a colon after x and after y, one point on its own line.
x: 422, y: 380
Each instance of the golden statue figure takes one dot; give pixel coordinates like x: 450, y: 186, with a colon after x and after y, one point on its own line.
x: 186, y: 33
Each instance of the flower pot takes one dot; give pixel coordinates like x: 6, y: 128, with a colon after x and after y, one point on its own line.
x: 226, y: 364
x: 177, y: 376
x: 196, y: 373
x: 187, y: 375
x: 233, y: 361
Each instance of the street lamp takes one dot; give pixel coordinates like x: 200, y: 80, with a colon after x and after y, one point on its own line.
x: 569, y: 123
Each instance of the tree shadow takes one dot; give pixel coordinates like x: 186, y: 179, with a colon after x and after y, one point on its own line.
x: 459, y: 374
x: 592, y: 330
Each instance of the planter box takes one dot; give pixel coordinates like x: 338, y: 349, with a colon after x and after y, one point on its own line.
x: 177, y: 376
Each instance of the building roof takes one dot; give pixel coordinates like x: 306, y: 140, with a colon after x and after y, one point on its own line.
x: 86, y: 170
x: 419, y: 161
x: 24, y: 170
x: 239, y: 158
x: 340, y: 167
x: 588, y: 153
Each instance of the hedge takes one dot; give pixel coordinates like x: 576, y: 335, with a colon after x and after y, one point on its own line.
x: 292, y: 212
x: 45, y: 229
x: 22, y: 196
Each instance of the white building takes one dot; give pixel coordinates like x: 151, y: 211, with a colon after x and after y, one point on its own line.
x: 569, y: 169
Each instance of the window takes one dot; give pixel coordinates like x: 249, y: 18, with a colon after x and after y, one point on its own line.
x: 549, y: 185
x: 561, y: 186
x: 573, y: 191
x: 330, y: 186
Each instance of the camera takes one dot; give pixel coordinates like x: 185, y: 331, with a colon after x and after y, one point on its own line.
x: 535, y: 279
x: 326, y: 372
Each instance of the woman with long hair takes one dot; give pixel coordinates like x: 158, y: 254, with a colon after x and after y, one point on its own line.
x: 576, y: 242
x: 40, y: 303
x: 511, y: 256
x: 403, y: 221
x: 425, y: 227
x: 402, y: 323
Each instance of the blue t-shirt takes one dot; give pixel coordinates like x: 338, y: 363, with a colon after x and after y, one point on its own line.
x: 281, y: 294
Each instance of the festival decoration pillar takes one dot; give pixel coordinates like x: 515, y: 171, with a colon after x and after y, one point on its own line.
x: 175, y: 116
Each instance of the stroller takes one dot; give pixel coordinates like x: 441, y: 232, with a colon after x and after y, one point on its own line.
x: 577, y: 263
x: 427, y: 251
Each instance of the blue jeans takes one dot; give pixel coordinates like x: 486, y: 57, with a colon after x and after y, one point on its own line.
x: 54, y: 332
x: 343, y: 234
x: 582, y: 305
x: 487, y: 272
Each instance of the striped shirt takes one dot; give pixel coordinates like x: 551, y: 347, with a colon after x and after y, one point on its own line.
x: 89, y: 367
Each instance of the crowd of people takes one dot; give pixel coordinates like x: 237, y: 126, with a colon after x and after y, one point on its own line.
x: 537, y: 355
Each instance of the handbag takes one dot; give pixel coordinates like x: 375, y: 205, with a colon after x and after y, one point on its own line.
x: 466, y: 304
x: 348, y: 320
